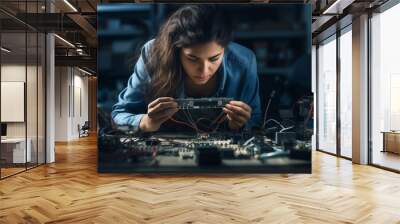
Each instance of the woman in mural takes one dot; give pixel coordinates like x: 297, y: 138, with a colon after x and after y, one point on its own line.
x: 192, y: 56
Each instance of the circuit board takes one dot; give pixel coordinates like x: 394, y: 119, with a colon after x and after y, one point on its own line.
x: 202, y: 103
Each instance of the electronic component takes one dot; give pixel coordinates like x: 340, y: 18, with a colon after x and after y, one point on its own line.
x: 208, y: 156
x: 202, y: 103
x: 186, y: 153
x: 283, y: 137
x: 3, y: 130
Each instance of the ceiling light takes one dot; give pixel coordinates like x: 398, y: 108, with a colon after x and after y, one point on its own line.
x: 329, y: 9
x: 5, y: 50
x: 338, y: 6
x: 65, y: 41
x: 84, y: 71
x: 70, y: 5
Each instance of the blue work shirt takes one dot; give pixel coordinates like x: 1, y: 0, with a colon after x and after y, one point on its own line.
x: 237, y: 77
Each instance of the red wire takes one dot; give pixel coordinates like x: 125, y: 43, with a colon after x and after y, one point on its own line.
x: 182, y: 122
x: 220, y: 118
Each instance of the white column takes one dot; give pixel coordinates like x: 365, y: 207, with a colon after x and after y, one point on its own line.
x: 50, y: 92
x: 360, y: 90
x: 50, y: 101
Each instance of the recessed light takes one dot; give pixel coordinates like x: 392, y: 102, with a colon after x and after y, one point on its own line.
x: 70, y: 5
x: 5, y: 50
x: 84, y: 71
x: 64, y: 40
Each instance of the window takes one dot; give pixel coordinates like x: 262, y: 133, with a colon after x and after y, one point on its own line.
x: 385, y: 85
x: 346, y: 92
x: 327, y: 95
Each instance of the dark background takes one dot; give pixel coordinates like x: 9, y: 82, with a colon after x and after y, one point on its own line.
x: 279, y: 35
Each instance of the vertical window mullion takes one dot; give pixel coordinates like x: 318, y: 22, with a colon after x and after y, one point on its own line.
x: 338, y: 76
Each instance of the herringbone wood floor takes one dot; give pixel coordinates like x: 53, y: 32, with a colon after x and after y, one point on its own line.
x: 71, y: 191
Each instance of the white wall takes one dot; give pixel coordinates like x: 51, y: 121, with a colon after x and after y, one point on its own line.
x: 71, y: 94
x: 16, y: 73
x: 10, y: 73
x: 61, y: 103
x: 80, y: 110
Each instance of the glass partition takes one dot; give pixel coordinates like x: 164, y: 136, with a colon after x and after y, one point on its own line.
x: 31, y: 97
x: 23, y: 87
x: 14, y: 153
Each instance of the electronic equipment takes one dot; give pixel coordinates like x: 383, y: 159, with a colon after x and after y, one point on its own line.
x: 198, y: 149
x: 286, y: 113
x: 208, y: 156
x: 202, y: 103
x: 282, y: 137
x: 3, y: 130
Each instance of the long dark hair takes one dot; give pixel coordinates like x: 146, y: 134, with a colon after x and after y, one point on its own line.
x: 189, y: 25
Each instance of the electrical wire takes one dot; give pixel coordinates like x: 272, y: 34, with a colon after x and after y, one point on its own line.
x: 218, y: 117
x: 203, y: 118
x: 285, y: 129
x: 190, y: 116
x: 265, y: 113
x: 208, y: 126
x: 218, y: 120
x: 190, y: 120
x: 184, y: 123
x: 277, y: 122
x: 221, y: 120
x: 194, y: 124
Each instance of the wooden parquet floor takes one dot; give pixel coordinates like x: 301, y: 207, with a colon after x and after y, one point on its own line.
x: 71, y: 191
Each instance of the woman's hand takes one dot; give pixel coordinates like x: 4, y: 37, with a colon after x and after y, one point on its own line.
x: 238, y: 113
x: 158, y: 111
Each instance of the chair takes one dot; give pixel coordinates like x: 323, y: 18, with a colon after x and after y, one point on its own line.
x: 84, y: 130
